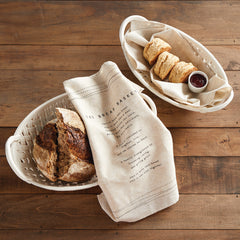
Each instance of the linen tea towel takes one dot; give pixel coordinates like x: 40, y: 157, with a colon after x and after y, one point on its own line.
x: 132, y: 149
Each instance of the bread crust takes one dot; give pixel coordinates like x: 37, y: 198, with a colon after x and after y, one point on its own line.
x: 78, y: 171
x: 181, y: 71
x: 154, y: 48
x: 45, y: 151
x: 75, y: 162
x: 72, y: 133
x: 165, y: 62
x: 70, y: 118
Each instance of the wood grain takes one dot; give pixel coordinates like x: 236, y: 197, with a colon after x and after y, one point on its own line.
x: 120, y: 234
x: 5, y: 133
x: 28, y: 57
x: 210, y: 175
x: 198, y: 175
x: 84, y: 212
x: 31, y: 88
x: 186, y: 141
x: 206, y: 141
x: 43, y: 43
x: 74, y: 23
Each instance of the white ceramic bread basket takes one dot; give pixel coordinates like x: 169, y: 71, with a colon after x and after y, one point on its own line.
x: 144, y: 78
x: 19, y: 147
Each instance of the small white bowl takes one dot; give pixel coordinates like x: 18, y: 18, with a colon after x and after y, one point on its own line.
x: 197, y: 89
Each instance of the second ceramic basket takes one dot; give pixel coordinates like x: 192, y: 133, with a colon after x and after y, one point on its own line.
x: 145, y: 79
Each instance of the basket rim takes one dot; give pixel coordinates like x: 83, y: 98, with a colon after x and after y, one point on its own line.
x: 44, y: 104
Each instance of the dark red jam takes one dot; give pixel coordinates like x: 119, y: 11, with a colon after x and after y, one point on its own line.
x: 198, y: 80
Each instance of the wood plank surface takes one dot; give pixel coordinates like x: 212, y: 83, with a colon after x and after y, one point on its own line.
x: 5, y: 133
x: 40, y: 57
x: 43, y: 43
x: 121, y: 234
x: 31, y: 88
x: 186, y: 141
x: 198, y: 175
x: 209, y: 175
x: 41, y: 211
x: 206, y: 141
x: 81, y: 23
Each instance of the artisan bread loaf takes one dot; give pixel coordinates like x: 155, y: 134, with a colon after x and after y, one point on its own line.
x: 75, y: 162
x: 181, y: 71
x: 165, y: 62
x: 61, y: 150
x: 154, y: 48
x: 45, y: 151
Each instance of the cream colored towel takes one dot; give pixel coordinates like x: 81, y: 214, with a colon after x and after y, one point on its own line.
x: 132, y: 149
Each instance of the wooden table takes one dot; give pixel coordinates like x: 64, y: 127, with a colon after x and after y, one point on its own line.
x: 44, y: 43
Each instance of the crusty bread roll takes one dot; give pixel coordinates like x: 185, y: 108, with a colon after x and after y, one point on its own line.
x: 45, y: 151
x: 75, y: 162
x: 154, y: 48
x: 62, y: 151
x: 165, y: 62
x: 181, y: 71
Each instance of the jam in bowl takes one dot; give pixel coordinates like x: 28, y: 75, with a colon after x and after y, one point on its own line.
x: 197, y: 81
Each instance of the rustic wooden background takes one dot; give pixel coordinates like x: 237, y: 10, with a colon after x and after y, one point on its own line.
x: 44, y: 43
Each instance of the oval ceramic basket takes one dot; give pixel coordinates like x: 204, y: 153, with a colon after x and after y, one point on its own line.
x: 19, y: 147
x: 145, y: 79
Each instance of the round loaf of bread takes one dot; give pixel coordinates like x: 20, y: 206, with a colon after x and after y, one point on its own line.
x: 62, y: 151
x: 154, y: 48
x: 165, y: 62
x: 181, y: 71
